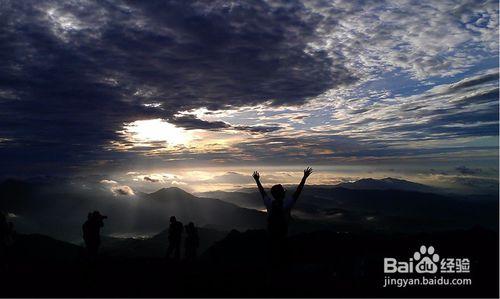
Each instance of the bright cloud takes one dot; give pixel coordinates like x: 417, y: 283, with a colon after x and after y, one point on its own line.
x: 122, y: 190
x: 109, y: 182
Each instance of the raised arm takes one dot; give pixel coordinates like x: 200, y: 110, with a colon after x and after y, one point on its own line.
x: 265, y: 198
x: 307, y: 173
x: 256, y: 177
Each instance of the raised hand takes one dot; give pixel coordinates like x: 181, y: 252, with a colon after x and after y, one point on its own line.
x: 307, y: 172
x: 256, y: 175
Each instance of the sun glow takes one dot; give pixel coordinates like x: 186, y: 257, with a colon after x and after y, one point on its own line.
x: 157, y: 130
x: 159, y: 137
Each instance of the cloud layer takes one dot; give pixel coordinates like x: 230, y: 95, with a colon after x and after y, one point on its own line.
x: 313, y: 80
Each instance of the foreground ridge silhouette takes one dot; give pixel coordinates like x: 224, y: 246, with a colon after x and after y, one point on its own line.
x: 278, y: 211
x: 322, y: 262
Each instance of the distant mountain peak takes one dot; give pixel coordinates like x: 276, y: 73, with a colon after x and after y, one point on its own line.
x: 385, y: 184
x: 170, y: 191
x: 389, y: 179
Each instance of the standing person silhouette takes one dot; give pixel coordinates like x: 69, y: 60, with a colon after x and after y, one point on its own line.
x: 92, y: 233
x: 278, y: 211
x: 6, y: 240
x: 174, y: 238
x: 191, y: 242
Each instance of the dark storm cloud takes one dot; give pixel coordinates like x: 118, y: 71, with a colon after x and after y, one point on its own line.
x: 152, y: 180
x: 474, y: 82
x: 191, y: 122
x: 468, y: 171
x: 71, y: 73
x: 258, y: 129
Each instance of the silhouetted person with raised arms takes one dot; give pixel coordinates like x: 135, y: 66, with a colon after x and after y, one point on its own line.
x: 192, y: 242
x: 174, y: 238
x: 278, y: 211
x: 92, y: 233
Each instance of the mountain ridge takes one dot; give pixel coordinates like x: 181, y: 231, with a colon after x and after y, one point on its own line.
x: 59, y: 210
x: 169, y: 191
x: 388, y: 183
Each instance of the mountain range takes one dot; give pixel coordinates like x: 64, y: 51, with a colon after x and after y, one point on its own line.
x: 387, y: 184
x: 246, y: 197
x: 58, y: 210
x: 380, y: 204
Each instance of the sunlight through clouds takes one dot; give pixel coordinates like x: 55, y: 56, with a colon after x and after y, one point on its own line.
x: 157, y: 137
x: 144, y: 131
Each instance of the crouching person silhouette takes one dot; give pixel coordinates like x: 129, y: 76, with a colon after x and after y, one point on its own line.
x: 92, y: 233
x: 174, y: 238
x: 278, y: 211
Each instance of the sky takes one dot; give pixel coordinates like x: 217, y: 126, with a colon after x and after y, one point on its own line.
x: 200, y: 93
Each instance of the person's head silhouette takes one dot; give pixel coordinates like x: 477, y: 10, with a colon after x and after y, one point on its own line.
x: 97, y: 216
x: 173, y: 219
x: 278, y: 192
